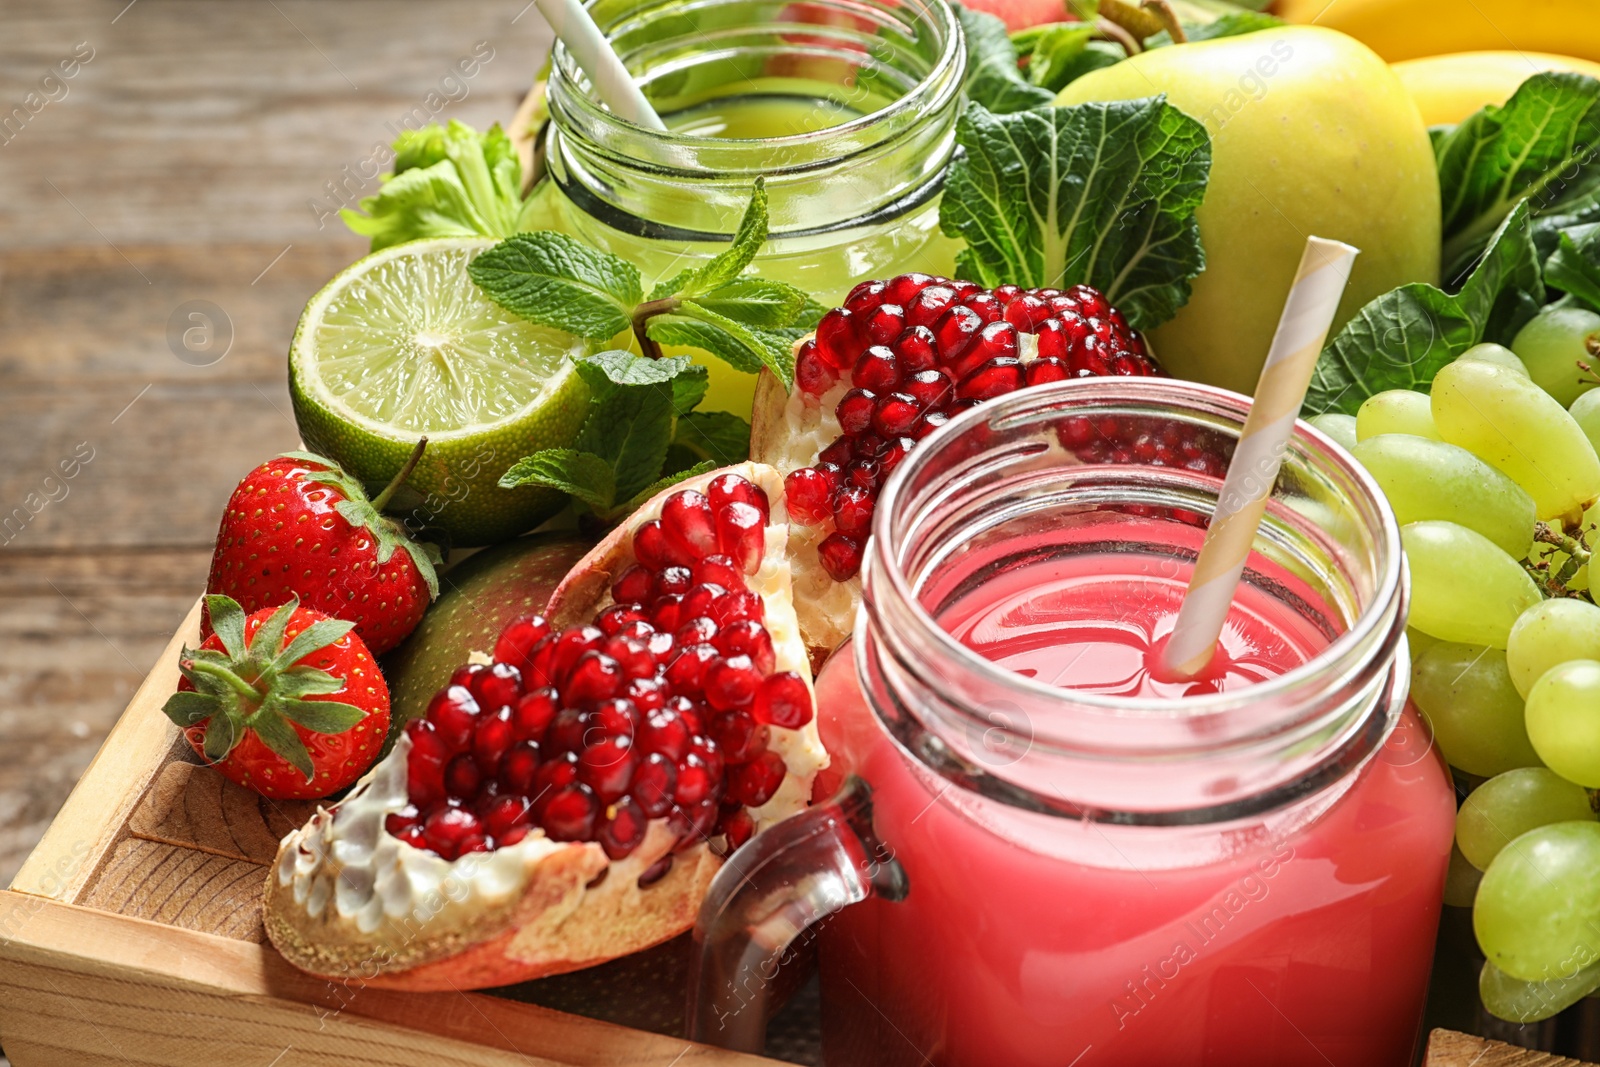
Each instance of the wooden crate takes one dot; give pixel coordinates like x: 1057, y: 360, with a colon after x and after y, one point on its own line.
x: 132, y: 935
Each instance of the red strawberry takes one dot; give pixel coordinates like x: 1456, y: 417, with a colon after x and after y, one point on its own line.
x: 287, y: 702
x: 299, y: 526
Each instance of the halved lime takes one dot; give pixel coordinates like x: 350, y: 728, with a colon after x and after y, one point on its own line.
x: 402, y: 344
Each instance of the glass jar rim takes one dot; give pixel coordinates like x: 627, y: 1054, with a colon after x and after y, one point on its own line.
x: 882, y: 560
x: 943, y: 79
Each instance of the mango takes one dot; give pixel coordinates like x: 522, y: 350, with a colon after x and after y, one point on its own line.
x: 1312, y: 134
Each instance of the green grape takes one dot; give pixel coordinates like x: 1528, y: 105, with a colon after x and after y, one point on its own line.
x: 1466, y: 694
x: 1395, y: 411
x: 1342, y: 428
x: 1426, y: 479
x: 1585, y: 411
x: 1461, y: 880
x: 1551, y: 346
x: 1563, y: 717
x: 1509, y: 805
x: 1503, y: 418
x: 1463, y: 586
x: 1419, y: 642
x: 1537, y: 915
x: 1496, y: 354
x: 1549, y: 633
x: 1528, y: 1002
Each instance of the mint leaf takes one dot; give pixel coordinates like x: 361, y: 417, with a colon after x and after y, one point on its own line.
x: 731, y: 261
x: 1101, y: 193
x: 583, y: 475
x: 1406, y: 336
x: 1574, y: 267
x: 448, y: 181
x: 629, y: 424
x: 747, y: 348
x: 718, y: 436
x: 643, y: 495
x: 756, y: 302
x: 1542, y: 144
x: 993, y: 78
x: 560, y: 282
x: 689, y: 388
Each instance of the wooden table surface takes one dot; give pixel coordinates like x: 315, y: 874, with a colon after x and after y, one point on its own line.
x: 188, y: 158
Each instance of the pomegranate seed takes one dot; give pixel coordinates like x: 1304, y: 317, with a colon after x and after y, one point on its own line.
x: 852, y: 512
x: 569, y: 648
x: 534, y: 712
x: 988, y: 308
x: 614, y: 718
x: 696, y: 631
x: 739, y: 604
x: 719, y: 570
x: 956, y: 333
x: 916, y: 350
x: 664, y: 731
x: 783, y: 700
x: 686, y: 518
x: 928, y: 305
x: 840, y: 555
x: 693, y: 824
x: 997, y: 341
x: 667, y: 612
x: 491, y: 738
x: 686, y: 673
x: 741, y: 535
x: 454, y: 713
x: 836, y: 339
x: 462, y: 777
x: 622, y: 828
x: 696, y: 782
x: 607, y: 767
x: 811, y: 372
x: 747, y: 637
x: 636, y: 585
x: 645, y: 694
x: 731, y: 683
x: 876, y: 370
x: 652, y: 548
x: 927, y: 389
x: 855, y: 410
x: 567, y: 732
x: 885, y: 324
x: 569, y: 815
x: 594, y: 677
x: 465, y: 676
x: 614, y: 618
x: 728, y: 489
x: 1026, y: 312
x: 838, y: 454
x: 448, y: 829
x: 674, y: 580
x: 809, y: 495
x: 520, y: 764
x: 654, y: 782
x: 516, y: 641
x: 502, y: 813
x: 699, y: 598
x: 655, y: 872
x: 896, y: 413
x: 396, y: 821
x: 903, y: 288
x: 756, y: 782
x: 995, y: 378
x: 738, y: 827
x: 739, y: 736
x: 1043, y: 371
x: 552, y: 776
x: 865, y: 296
x: 930, y: 422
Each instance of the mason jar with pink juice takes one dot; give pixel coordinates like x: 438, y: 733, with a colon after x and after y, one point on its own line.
x: 1037, y: 851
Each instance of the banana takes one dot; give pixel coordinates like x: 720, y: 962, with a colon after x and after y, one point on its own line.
x: 1406, y: 29
x: 1449, y: 88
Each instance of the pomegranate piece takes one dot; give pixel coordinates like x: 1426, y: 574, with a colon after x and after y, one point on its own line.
x: 662, y: 710
x: 916, y: 350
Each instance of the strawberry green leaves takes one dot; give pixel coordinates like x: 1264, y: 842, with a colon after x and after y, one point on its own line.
x: 1100, y: 193
x: 625, y: 450
x: 748, y: 322
x: 256, y: 684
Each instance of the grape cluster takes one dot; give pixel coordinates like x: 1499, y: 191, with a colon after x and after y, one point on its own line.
x: 1494, y: 479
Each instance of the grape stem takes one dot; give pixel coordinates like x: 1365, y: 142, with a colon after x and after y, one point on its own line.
x: 1578, y: 555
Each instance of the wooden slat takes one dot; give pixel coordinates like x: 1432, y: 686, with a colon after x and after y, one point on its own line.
x: 180, y: 886
x: 78, y: 983
x: 1446, y: 1048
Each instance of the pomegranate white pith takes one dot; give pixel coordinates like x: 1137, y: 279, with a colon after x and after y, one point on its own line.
x: 347, y: 896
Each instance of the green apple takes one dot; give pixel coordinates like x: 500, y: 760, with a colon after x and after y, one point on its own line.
x: 1312, y: 134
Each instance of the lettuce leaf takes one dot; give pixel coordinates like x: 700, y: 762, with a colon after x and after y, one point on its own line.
x: 448, y: 181
x: 1100, y: 193
x: 993, y: 77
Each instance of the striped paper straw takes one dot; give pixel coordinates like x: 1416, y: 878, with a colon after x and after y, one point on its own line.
x: 595, y: 55
x: 1307, y: 316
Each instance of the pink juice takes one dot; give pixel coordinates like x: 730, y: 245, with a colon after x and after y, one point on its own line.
x: 1302, y: 936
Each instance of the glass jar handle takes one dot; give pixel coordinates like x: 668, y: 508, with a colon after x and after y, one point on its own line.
x: 790, y: 876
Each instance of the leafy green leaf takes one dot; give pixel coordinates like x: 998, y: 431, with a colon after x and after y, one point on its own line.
x: 1102, y: 193
x: 756, y: 301
x: 629, y: 424
x: 719, y: 436
x: 188, y: 708
x: 731, y: 261
x: 993, y: 78
x: 1574, y: 267
x: 321, y: 716
x: 689, y: 388
x: 583, y: 475
x: 643, y: 495
x: 1406, y: 336
x: 558, y: 281
x: 603, y: 370
x: 746, y: 348
x: 1541, y: 145
x: 1056, y: 54
x: 448, y: 181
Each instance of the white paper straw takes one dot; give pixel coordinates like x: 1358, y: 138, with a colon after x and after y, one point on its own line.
x: 616, y: 87
x: 1307, y: 315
